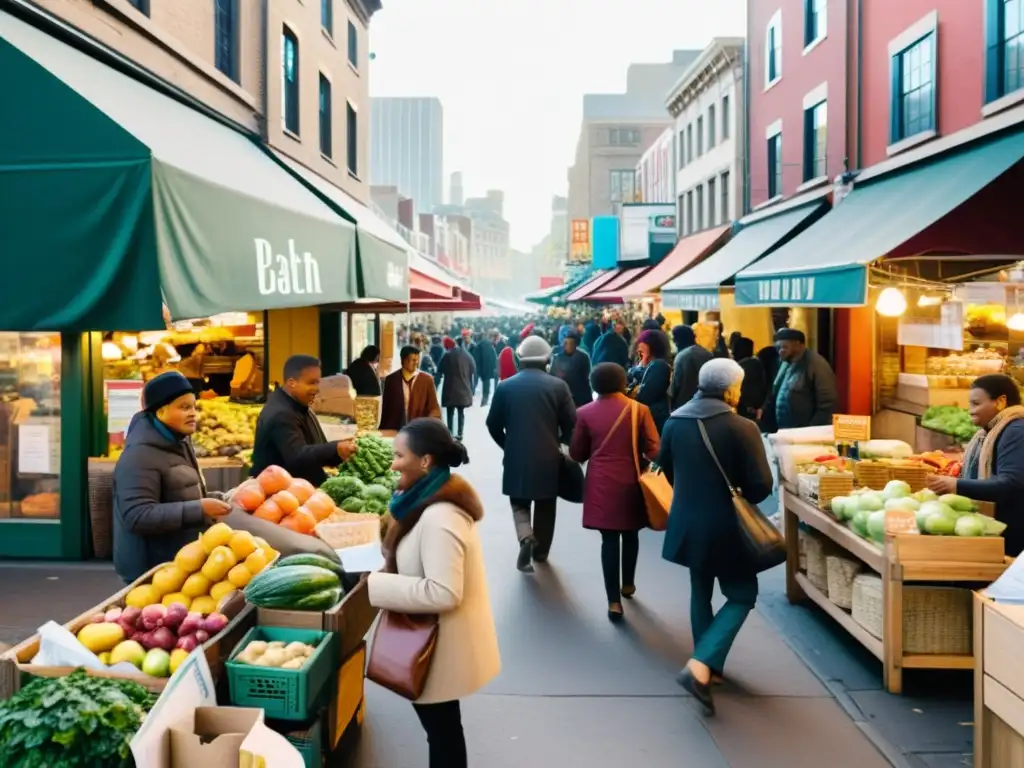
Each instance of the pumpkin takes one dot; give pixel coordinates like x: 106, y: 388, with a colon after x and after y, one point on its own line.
x: 269, y: 510
x: 286, y: 502
x: 321, y: 505
x: 274, y: 479
x: 249, y: 495
x: 301, y: 489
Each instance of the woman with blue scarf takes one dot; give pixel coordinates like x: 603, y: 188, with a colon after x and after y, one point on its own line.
x: 434, y: 564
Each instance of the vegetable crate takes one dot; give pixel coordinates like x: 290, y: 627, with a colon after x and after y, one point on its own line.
x: 310, y: 742
x: 284, y: 694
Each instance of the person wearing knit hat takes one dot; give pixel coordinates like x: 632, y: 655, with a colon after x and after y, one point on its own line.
x: 531, y: 416
x: 160, y: 499
x: 527, y: 330
x: 654, y: 375
x: 448, y: 343
x: 572, y: 365
x: 804, y: 392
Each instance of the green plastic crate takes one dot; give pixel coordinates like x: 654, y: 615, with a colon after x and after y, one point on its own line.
x: 309, y: 742
x: 284, y: 694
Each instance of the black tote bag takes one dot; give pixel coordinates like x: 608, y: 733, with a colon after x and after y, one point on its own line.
x: 762, y: 540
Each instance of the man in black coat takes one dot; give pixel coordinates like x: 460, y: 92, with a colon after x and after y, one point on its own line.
x: 804, y: 392
x: 287, y: 432
x: 486, y: 359
x: 362, y: 372
x: 689, y: 361
x: 531, y: 415
x: 456, y: 373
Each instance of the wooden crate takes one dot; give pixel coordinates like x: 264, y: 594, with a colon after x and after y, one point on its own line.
x: 830, y: 486
x: 17, y: 661
x: 950, y: 549
x: 872, y: 474
x: 915, y: 477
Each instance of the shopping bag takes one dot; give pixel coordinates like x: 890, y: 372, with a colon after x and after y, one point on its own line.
x: 655, y: 486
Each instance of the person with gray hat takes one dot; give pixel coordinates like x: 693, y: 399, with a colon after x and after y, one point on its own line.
x: 804, y: 393
x: 532, y: 415
x: 160, y: 498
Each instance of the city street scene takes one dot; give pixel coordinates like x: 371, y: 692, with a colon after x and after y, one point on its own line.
x: 511, y: 384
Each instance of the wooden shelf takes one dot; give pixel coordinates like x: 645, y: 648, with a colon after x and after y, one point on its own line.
x: 871, y: 555
x: 844, y: 619
x: 938, y: 661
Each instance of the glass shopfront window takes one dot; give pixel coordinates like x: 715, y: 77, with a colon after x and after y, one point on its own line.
x: 30, y: 418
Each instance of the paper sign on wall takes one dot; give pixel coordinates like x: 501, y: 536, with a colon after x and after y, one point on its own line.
x: 34, y: 455
x: 849, y: 428
x: 124, y: 400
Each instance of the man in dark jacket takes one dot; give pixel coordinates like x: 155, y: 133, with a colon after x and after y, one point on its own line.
x: 456, y: 373
x: 486, y: 359
x: 572, y: 366
x: 531, y: 415
x: 804, y: 392
x: 363, y: 372
x: 436, y: 353
x: 612, y: 346
x: 689, y: 361
x: 287, y: 432
x: 160, y: 499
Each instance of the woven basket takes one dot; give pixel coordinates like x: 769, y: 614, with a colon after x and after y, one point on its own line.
x: 817, y: 572
x: 101, y: 507
x: 801, y: 541
x: 915, y: 477
x: 936, y: 620
x: 840, y: 572
x: 872, y: 475
x: 830, y: 486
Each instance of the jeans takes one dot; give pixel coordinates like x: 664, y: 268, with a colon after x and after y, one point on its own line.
x: 610, y: 561
x: 447, y: 742
x: 542, y: 525
x: 487, y: 390
x: 451, y: 411
x: 714, y: 633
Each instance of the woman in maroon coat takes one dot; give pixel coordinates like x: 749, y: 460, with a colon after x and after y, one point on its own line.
x: 612, y: 500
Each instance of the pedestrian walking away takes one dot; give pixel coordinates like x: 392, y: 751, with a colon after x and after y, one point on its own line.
x: 456, y: 373
x: 531, y: 416
x: 572, y: 366
x: 434, y: 565
x: 486, y: 359
x: 613, y: 502
x: 703, y: 533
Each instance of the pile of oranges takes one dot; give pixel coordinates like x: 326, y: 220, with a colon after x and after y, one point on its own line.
x: 276, y: 496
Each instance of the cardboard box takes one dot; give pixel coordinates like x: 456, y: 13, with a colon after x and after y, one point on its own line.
x: 211, y: 736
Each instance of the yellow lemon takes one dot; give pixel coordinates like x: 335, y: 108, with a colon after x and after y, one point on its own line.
x: 239, y: 576
x: 196, y: 585
x: 203, y: 605
x: 243, y: 544
x: 169, y: 579
x: 191, y: 557
x: 220, y: 561
x: 217, y: 535
x: 142, y: 596
x: 218, y: 590
x: 176, y: 597
x: 256, y: 562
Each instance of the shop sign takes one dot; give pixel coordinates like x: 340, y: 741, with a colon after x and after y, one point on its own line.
x: 845, y: 287
x: 901, y: 522
x: 286, y: 275
x: 849, y: 428
x: 579, y: 250
x: 691, y: 301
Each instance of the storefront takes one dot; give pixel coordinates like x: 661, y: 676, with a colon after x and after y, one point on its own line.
x: 150, y: 201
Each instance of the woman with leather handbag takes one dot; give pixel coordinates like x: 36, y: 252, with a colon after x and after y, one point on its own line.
x: 436, y: 642
x: 715, y: 461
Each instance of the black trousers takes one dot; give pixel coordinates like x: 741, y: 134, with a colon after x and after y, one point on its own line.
x: 451, y: 411
x: 447, y: 742
x: 610, y: 561
x: 487, y: 390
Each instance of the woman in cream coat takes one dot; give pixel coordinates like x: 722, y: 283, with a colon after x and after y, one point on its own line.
x: 435, y: 565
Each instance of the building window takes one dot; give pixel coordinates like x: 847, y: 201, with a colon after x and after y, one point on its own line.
x: 682, y: 150
x: 690, y: 228
x: 712, y: 219
x: 326, y: 126
x: 913, y: 89
x: 815, y: 141
x: 353, y: 45
x: 726, y: 217
x: 700, y: 136
x: 621, y: 186
x: 290, y: 81
x: 225, y: 33
x: 140, y: 5
x: 725, y: 117
x: 624, y: 137
x: 1004, y: 42
x: 689, y: 143
x: 775, y: 166
x: 815, y: 20
x: 327, y: 16
x: 773, y: 50
x: 352, y: 139
x: 711, y: 126
x: 680, y: 210
x: 699, y: 223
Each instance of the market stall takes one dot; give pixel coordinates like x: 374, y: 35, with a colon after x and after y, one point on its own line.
x: 998, y: 684
x: 891, y: 562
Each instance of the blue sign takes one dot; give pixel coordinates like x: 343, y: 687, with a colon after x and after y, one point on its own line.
x: 604, y: 233
x: 693, y: 300
x: 844, y: 287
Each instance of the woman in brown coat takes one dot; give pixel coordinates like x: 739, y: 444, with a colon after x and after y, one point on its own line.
x: 612, y: 500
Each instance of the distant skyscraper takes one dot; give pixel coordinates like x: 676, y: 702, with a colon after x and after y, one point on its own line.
x: 407, y: 148
x: 456, y: 193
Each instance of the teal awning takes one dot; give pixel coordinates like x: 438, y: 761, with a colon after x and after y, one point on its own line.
x: 696, y: 289
x: 557, y: 293
x: 117, y: 194
x: 826, y: 265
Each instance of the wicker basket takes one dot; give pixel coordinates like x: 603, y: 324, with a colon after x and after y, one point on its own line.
x: 936, y: 620
x: 101, y: 507
x: 801, y: 541
x: 915, y: 477
x: 840, y: 572
x: 817, y: 572
x: 832, y: 485
x: 872, y: 474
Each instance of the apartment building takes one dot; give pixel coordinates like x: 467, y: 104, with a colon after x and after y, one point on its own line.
x: 707, y: 106
x: 655, y: 174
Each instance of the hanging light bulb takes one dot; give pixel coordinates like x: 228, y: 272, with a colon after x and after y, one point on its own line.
x: 891, y: 302
x: 929, y: 301
x: 1016, y: 322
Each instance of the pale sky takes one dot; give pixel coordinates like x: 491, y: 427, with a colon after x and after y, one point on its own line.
x: 511, y: 75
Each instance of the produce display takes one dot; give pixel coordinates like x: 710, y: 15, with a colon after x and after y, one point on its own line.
x: 826, y: 464
x: 891, y: 450
x: 274, y: 495
x: 957, y: 371
x: 950, y: 420
x: 77, y: 721
x: 364, y: 483
x: 276, y: 653
x: 224, y: 428
x: 947, y: 515
x: 941, y: 463
x: 297, y: 586
x: 367, y: 413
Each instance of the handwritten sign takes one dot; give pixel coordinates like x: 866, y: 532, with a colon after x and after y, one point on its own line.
x: 124, y: 400
x: 899, y: 522
x: 848, y: 428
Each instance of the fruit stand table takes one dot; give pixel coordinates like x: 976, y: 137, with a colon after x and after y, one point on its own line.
x: 903, y: 559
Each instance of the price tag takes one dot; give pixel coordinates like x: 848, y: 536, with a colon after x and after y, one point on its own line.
x: 899, y: 522
x: 848, y: 428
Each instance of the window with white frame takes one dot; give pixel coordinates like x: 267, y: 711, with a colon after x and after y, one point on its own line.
x: 815, y: 140
x: 773, y: 49
x: 912, y: 104
x: 1004, y: 48
x: 712, y: 130
x: 815, y: 21
x: 775, y: 165
x: 725, y: 117
x: 712, y: 218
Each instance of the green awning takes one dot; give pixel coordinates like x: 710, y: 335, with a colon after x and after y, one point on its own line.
x: 696, y: 289
x: 116, y: 195
x: 826, y: 265
x: 556, y: 293
x: 383, y: 254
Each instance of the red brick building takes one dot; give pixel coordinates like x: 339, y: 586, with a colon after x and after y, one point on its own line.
x: 797, y: 54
